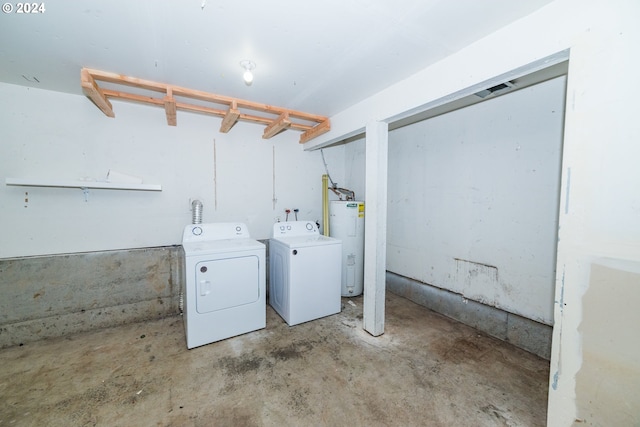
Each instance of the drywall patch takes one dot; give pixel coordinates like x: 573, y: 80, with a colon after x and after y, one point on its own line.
x: 479, y: 281
x: 607, y: 383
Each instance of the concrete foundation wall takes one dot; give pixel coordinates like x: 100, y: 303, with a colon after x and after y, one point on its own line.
x: 59, y: 295
x: 524, y: 333
x: 64, y: 294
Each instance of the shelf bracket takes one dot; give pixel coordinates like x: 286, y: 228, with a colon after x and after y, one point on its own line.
x: 315, y: 131
x: 230, y: 118
x: 170, y: 108
x: 94, y: 93
x: 280, y: 124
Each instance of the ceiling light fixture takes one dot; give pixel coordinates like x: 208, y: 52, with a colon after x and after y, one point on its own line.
x: 248, y: 75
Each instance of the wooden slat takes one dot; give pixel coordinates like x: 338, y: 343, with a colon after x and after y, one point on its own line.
x: 200, y: 109
x: 95, y: 94
x: 106, y: 76
x: 277, y: 110
x: 300, y: 126
x: 230, y: 119
x: 242, y: 103
x: 280, y: 124
x: 160, y: 103
x: 317, y: 130
x: 170, y: 108
x: 109, y: 93
x: 182, y: 106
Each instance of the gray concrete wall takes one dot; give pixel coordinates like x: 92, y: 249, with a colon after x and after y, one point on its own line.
x: 58, y: 295
x: 524, y: 333
x: 51, y: 296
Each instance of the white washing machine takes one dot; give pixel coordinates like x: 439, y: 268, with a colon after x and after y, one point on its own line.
x: 225, y: 282
x: 304, y: 272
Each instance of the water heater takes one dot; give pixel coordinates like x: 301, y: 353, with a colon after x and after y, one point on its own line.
x: 346, y: 222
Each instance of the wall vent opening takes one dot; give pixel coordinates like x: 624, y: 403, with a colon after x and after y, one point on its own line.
x: 495, y: 89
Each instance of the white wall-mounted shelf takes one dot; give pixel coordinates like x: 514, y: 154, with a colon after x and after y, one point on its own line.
x: 39, y: 182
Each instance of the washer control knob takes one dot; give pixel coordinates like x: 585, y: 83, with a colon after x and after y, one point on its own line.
x: 238, y: 228
x: 288, y: 227
x: 282, y: 228
x: 309, y: 226
x: 196, y: 231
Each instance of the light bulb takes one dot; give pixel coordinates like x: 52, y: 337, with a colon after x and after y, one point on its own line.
x: 248, y: 77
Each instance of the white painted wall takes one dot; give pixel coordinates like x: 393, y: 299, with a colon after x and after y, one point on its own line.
x: 473, y: 200
x: 51, y: 135
x: 354, y: 167
x: 477, y: 184
x: 599, y: 196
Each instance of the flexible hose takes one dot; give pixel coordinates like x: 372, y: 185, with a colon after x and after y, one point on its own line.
x: 196, y: 212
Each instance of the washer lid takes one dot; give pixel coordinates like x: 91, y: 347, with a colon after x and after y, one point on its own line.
x: 205, y: 247
x: 307, y: 241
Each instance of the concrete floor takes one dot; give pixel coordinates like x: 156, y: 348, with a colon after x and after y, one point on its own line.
x: 426, y: 370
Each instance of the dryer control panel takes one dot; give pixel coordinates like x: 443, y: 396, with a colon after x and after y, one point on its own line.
x: 295, y: 228
x: 215, y: 231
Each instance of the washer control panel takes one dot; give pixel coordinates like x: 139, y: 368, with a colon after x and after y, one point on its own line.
x: 295, y: 228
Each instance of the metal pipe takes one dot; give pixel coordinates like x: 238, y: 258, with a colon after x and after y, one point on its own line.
x: 325, y: 204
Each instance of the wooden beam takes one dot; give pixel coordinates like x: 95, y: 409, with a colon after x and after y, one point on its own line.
x: 95, y: 94
x: 311, y: 124
x: 200, y: 109
x: 300, y: 126
x: 315, y: 131
x: 230, y: 119
x: 280, y: 124
x: 182, y: 106
x: 197, y: 94
x: 170, y: 108
x: 109, y: 93
x: 106, y: 76
x: 278, y: 110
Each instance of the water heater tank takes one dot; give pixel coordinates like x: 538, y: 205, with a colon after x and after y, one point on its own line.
x: 346, y: 222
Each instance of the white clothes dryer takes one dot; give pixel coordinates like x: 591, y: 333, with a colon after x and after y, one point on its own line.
x: 305, y: 272
x: 225, y: 282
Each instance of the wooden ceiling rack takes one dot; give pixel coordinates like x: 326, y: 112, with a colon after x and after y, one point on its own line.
x: 231, y: 110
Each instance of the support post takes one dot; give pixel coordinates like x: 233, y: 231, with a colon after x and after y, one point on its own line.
x: 375, y: 241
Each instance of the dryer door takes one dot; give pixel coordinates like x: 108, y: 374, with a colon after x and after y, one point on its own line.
x: 226, y: 283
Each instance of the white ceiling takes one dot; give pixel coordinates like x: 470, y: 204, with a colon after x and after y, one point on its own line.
x: 318, y: 57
